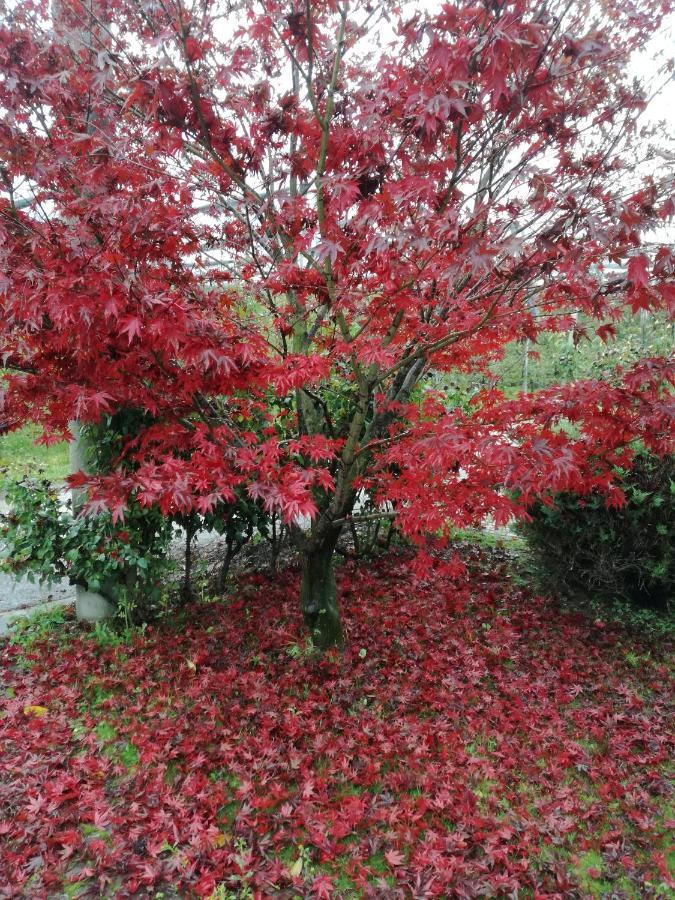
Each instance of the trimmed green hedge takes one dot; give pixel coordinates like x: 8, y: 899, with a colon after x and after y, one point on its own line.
x: 583, y: 549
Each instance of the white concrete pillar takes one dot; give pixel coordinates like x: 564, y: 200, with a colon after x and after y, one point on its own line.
x: 90, y: 606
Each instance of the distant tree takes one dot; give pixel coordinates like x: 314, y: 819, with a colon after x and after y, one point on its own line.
x: 298, y: 210
x: 557, y: 358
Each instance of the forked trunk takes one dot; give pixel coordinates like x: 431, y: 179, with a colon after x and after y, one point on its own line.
x: 318, y: 595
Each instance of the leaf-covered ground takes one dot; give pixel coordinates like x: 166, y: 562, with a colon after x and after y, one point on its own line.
x: 471, y: 742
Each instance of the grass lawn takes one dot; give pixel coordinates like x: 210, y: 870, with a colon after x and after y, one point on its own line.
x: 471, y: 741
x: 19, y: 455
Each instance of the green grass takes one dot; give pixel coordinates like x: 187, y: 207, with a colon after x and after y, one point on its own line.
x: 19, y: 455
x: 589, y: 872
x: 121, y: 752
x: 37, y: 626
x: 490, y: 540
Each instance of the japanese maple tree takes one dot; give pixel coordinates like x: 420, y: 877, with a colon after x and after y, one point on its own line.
x: 266, y: 224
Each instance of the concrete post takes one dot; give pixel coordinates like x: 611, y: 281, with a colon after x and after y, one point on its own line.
x: 90, y: 606
x: 78, y: 32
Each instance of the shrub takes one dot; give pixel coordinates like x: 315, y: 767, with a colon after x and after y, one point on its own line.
x: 43, y: 541
x: 586, y: 550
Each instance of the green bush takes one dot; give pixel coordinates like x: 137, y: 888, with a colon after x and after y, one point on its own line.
x: 42, y: 541
x: 586, y: 550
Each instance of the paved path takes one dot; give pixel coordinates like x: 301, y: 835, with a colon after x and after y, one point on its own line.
x: 21, y: 597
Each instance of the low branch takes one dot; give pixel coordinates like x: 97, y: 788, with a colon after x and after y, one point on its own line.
x: 367, y: 518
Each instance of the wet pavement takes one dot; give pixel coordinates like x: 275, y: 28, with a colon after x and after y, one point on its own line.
x: 21, y: 597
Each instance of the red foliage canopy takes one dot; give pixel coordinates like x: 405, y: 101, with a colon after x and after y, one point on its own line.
x: 223, y: 212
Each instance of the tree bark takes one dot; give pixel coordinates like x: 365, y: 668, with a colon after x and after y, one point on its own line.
x: 227, y: 562
x: 318, y: 593
x: 190, y: 531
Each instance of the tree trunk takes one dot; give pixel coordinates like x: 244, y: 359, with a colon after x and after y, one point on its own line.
x: 190, y: 531
x: 318, y: 594
x: 225, y: 565
x: 526, y: 366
